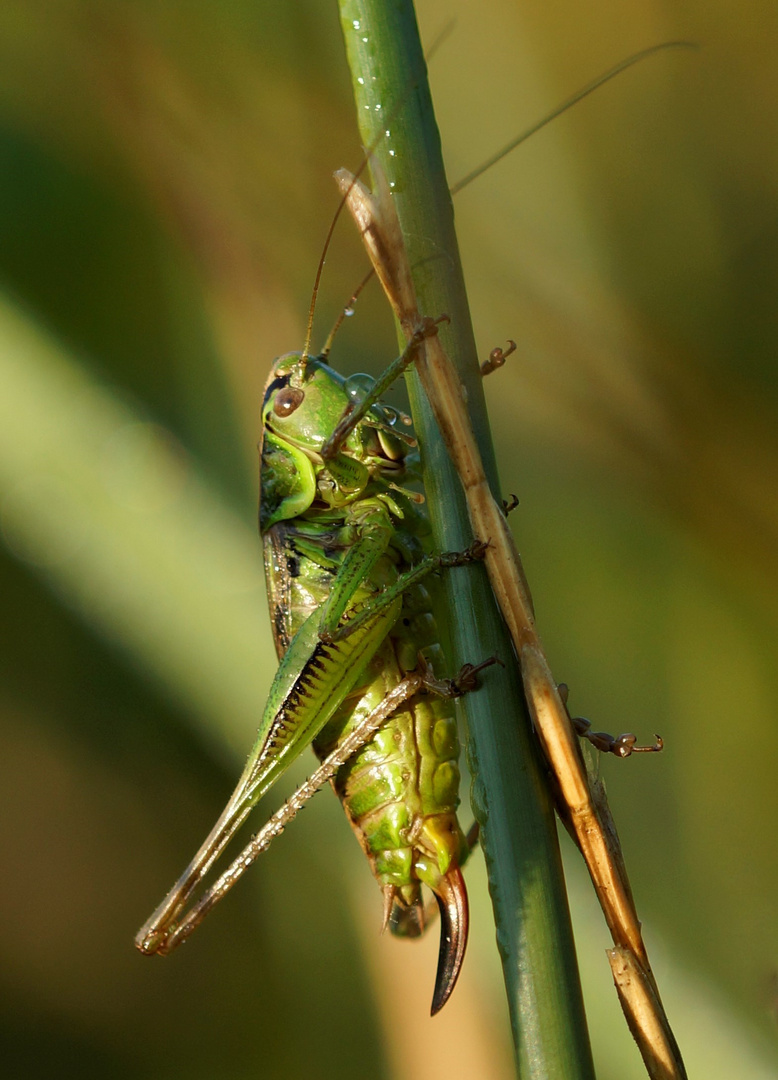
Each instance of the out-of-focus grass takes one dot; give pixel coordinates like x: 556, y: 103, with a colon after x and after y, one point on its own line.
x: 164, y: 191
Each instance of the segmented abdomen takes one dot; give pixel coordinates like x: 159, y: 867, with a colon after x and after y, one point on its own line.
x: 400, y: 792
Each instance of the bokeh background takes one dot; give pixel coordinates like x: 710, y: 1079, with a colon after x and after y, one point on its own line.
x: 164, y: 193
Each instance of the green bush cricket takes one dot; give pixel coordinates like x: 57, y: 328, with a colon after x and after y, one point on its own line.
x: 346, y: 554
x: 345, y: 563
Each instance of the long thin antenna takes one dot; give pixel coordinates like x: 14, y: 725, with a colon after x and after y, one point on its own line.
x: 345, y: 312
x: 568, y: 103
x: 579, y: 95
x: 365, y: 161
x: 444, y: 34
x: 325, y: 249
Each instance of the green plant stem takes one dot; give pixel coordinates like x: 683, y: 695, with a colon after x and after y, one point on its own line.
x: 509, y: 795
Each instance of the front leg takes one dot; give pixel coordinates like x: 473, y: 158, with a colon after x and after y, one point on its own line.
x: 374, y: 532
x: 430, y: 564
x: 356, y: 413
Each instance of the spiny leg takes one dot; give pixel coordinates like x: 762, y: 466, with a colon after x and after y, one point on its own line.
x: 621, y: 745
x: 354, y: 741
x: 351, y: 744
x: 299, y: 704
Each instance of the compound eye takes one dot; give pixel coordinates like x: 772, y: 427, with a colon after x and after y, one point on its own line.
x: 287, y: 400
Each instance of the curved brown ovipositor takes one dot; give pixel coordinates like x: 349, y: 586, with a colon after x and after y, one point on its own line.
x: 451, y: 895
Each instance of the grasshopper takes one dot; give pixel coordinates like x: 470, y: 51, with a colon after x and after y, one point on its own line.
x: 347, y: 550
x: 345, y: 557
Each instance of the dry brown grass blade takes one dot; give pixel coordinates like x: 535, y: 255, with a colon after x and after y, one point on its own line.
x: 645, y: 1016
x: 585, y: 812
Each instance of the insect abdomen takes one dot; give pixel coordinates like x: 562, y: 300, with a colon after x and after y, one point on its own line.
x: 401, y: 791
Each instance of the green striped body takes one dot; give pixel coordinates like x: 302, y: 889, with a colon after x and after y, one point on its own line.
x: 355, y: 636
x: 401, y: 791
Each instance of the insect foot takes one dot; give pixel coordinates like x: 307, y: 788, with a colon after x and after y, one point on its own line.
x: 620, y: 745
x: 477, y: 549
x: 427, y: 327
x: 473, y: 553
x: 463, y: 682
x: 497, y: 358
x: 466, y: 678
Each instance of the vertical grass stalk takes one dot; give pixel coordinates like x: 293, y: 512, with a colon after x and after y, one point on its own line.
x: 509, y: 796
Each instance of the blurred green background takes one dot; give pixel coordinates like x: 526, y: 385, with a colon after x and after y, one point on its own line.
x: 164, y: 194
